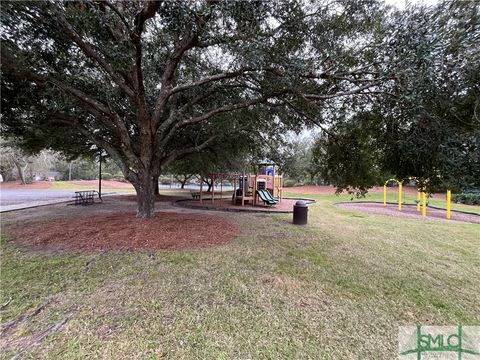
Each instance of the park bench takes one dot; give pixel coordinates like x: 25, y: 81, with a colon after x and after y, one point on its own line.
x: 195, y: 195
x: 86, y: 197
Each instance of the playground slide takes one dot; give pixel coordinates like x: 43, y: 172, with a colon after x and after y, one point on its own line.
x: 269, y: 196
x: 267, y: 201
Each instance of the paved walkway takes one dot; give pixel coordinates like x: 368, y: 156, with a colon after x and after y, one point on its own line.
x: 32, y: 204
x: 11, y: 200
x: 14, y: 199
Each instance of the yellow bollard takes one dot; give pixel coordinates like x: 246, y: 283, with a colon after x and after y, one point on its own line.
x: 399, y: 196
x: 418, y: 200
x: 384, y: 195
x: 424, y: 204
x: 449, y: 204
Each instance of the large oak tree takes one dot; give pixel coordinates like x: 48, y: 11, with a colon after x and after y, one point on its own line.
x: 426, y: 125
x: 154, y: 81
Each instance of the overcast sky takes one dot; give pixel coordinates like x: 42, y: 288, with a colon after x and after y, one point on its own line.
x: 401, y: 3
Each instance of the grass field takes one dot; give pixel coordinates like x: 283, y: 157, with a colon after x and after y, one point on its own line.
x: 335, y: 289
x: 91, y: 185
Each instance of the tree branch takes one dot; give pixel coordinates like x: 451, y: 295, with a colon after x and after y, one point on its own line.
x: 177, y: 154
x: 208, y: 79
x: 97, y: 140
x: 147, y: 12
x: 17, y: 68
x: 181, y: 47
x: 119, y: 14
x: 100, y: 111
x: 219, y: 110
x: 92, y: 54
x: 340, y: 93
x: 310, y: 118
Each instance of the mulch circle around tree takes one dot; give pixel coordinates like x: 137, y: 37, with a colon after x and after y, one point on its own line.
x: 164, y: 198
x: 123, y: 231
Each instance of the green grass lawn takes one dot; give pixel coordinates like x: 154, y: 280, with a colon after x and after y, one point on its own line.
x: 337, y: 288
x: 68, y: 185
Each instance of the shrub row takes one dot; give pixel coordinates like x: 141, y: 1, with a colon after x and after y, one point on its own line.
x: 289, y: 183
x: 468, y: 198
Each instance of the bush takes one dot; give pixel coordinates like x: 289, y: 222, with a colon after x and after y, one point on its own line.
x: 467, y: 198
x: 289, y: 183
x: 106, y: 176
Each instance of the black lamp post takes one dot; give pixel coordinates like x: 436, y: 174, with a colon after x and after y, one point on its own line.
x: 100, y: 175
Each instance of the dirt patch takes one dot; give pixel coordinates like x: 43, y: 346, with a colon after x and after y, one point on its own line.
x: 123, y: 231
x: 410, y: 211
x: 286, y: 283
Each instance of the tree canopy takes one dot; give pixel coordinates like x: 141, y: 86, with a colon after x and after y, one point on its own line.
x: 151, y: 81
x: 425, y: 125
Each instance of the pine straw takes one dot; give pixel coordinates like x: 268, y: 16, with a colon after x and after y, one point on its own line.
x: 123, y: 231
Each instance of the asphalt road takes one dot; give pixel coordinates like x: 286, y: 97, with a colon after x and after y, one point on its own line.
x: 17, y: 197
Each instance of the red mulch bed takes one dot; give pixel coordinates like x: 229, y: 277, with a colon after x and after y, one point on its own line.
x: 410, y: 211
x: 123, y: 231
x: 286, y: 205
x: 111, y: 184
x: 310, y: 189
x: 329, y: 190
x: 158, y: 198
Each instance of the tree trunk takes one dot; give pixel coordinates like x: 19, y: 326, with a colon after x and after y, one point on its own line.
x: 185, y: 179
x: 145, y: 188
x: 183, y: 182
x: 209, y: 184
x: 21, y: 172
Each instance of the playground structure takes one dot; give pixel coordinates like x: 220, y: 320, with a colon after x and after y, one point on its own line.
x: 421, y: 198
x: 265, y: 186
